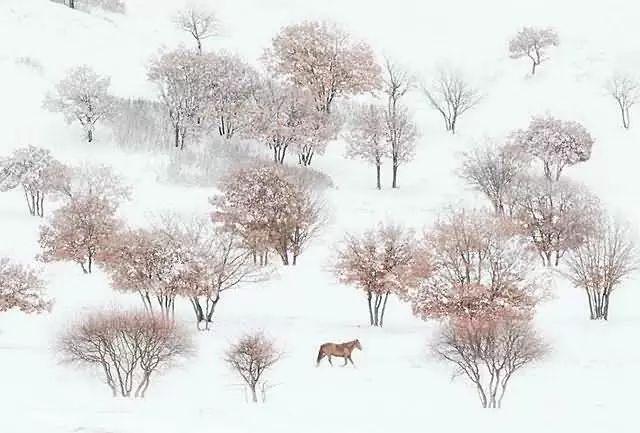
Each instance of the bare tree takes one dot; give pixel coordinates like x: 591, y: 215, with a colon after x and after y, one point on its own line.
x: 252, y: 356
x: 37, y: 172
x: 401, y: 132
x: 493, y: 170
x: 366, y: 137
x: 82, y: 96
x: 381, y: 262
x: 488, y: 354
x: 97, y: 181
x: 605, y: 259
x: 451, y: 96
x: 557, y: 216
x: 325, y: 60
x: 533, y: 42
x: 199, y: 21
x: 21, y: 288
x: 625, y: 90
x: 128, y: 347
x: 555, y: 143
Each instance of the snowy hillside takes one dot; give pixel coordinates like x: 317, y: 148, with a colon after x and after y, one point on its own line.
x: 587, y: 383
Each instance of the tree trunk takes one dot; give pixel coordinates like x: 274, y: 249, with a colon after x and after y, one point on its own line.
x: 394, y: 183
x: 378, y: 185
x: 30, y: 202
x: 254, y: 394
x: 533, y: 68
x: 369, y: 297
x: 199, y: 45
x: 384, y: 307
x: 72, y: 4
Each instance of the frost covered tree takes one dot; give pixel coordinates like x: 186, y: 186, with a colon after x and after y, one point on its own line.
x: 199, y: 21
x: 251, y: 357
x: 82, y: 96
x: 211, y: 262
x: 489, y: 353
x: 117, y: 6
x: 494, y: 170
x: 325, y: 60
x: 626, y: 92
x: 557, y: 216
x: 21, y: 288
x: 381, y: 262
x: 533, y: 42
x: 127, y: 347
x: 477, y: 265
x: 452, y: 96
x: 234, y: 85
x: 80, y: 231
x: 607, y: 256
x: 37, y: 172
x: 366, y: 136
x: 283, y: 117
x: 269, y: 211
x: 183, y: 79
x: 555, y: 143
x: 97, y: 181
x: 401, y: 133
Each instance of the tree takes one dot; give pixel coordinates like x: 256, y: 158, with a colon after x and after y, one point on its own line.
x: 366, y: 136
x: 235, y: 84
x: 117, y: 6
x: 533, y: 42
x: 252, y: 356
x: 97, y: 181
x: 283, y: 116
x: 400, y: 132
x: 380, y: 262
x: 128, y: 347
x: 494, y: 170
x: 451, y: 96
x: 37, y: 172
x: 82, y: 96
x: 602, y: 262
x: 555, y: 215
x: 489, y: 353
x: 146, y: 262
x: 555, y: 143
x: 21, y: 288
x: 325, y: 60
x: 80, y: 231
x: 212, y: 261
x: 184, y: 80
x: 262, y: 204
x: 477, y: 267
x: 199, y: 22
x: 624, y: 89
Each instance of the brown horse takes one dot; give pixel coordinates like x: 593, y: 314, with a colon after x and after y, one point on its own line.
x: 342, y: 350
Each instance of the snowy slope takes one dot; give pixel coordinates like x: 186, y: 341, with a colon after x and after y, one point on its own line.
x: 588, y: 383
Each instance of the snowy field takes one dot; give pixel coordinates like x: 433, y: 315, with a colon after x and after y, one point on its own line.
x: 588, y: 383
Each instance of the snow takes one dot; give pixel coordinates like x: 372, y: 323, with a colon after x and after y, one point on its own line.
x: 588, y: 383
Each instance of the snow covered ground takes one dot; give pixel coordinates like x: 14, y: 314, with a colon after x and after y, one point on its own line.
x: 588, y: 383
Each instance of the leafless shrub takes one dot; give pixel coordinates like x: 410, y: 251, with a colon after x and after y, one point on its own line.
x: 252, y: 356
x: 488, y: 354
x: 138, y: 124
x: 199, y: 21
x: 128, y: 347
x: 607, y: 256
x: 452, y: 96
x: 625, y: 90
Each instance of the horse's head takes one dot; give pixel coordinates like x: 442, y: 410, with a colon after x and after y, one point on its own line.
x: 357, y: 344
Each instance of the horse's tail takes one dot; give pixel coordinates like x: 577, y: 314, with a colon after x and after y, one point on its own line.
x: 320, y: 355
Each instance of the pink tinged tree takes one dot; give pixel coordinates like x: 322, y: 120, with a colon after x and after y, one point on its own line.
x: 325, y: 60
x: 21, y: 288
x: 557, y: 144
x: 283, y: 117
x: 366, y: 137
x: 380, y: 262
x: 82, y: 96
x: 533, y: 43
x: 37, y: 172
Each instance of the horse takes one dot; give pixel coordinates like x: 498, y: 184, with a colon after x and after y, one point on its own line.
x: 342, y: 350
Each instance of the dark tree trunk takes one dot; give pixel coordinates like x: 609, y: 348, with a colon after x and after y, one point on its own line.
x: 177, y: 135
x: 394, y: 183
x: 90, y: 135
x: 383, y: 309
x: 369, y: 297
x: 378, y: 185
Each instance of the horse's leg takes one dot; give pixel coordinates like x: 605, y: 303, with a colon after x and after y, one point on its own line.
x: 351, y: 360
x: 345, y: 361
x: 329, y: 358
